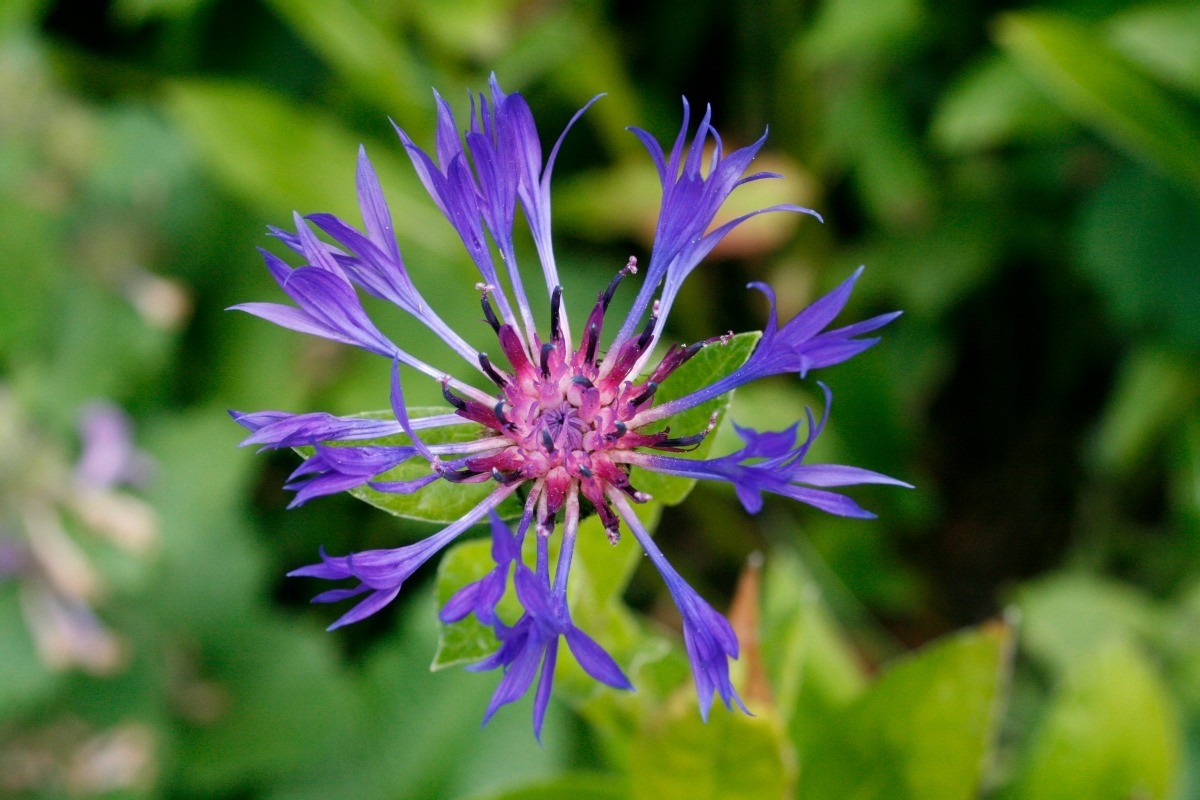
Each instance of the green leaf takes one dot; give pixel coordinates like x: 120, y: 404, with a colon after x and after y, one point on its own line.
x: 709, y: 365
x: 922, y: 731
x: 1065, y: 618
x: 374, y: 63
x: 677, y: 756
x: 1093, y: 82
x: 992, y: 104
x: 440, y: 501
x: 1134, y: 219
x: 1155, y: 391
x: 1162, y: 38
x: 812, y: 666
x: 575, y: 785
x: 1109, y: 735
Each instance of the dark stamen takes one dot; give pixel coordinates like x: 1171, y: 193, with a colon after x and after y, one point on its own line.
x: 592, y: 340
x: 489, y: 314
x: 580, y: 380
x: 584, y: 471
x: 682, y: 442
x: 619, y: 429
x: 648, y: 332
x: 555, y: 311
x: 457, y: 476
x: 504, y: 478
x: 486, y: 365
x: 547, y: 349
x: 498, y: 410
x: 607, y: 297
x: 548, y: 441
x: 452, y: 398
x: 650, y: 388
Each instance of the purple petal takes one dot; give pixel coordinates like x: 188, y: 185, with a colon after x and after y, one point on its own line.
x: 595, y: 661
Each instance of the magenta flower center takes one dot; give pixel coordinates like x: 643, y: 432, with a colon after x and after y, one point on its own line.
x: 565, y: 411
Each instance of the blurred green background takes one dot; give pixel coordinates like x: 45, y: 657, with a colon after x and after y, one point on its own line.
x: 1023, y: 181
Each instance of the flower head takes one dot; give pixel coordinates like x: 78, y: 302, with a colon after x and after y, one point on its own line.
x: 565, y: 419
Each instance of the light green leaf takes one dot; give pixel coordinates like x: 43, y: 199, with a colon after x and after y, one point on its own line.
x: 677, y: 756
x: 1109, y: 735
x: 1093, y: 82
x: 812, y: 666
x: 1065, y: 618
x: 575, y: 785
x: 709, y: 365
x: 1162, y: 38
x: 923, y: 731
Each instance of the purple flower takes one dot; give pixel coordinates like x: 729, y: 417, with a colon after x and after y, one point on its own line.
x: 108, y: 457
x: 565, y: 421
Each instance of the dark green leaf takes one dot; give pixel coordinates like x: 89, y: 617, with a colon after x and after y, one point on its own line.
x: 1096, y: 84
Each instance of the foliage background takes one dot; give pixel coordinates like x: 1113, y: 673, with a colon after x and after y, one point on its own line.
x: 1024, y: 182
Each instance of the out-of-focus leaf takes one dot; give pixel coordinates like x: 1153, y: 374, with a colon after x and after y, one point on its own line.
x: 420, y: 734
x: 844, y: 30
x: 1109, y: 735
x: 676, y: 756
x: 1065, y: 618
x: 812, y: 668
x: 1099, y: 86
x: 992, y: 104
x: 1137, y: 245
x: 31, y: 273
x: 1155, y: 390
x: 17, y: 15
x: 283, y: 677
x: 1162, y: 38
x: 376, y: 64
x: 477, y: 31
x: 440, y: 501
x: 137, y: 12
x: 922, y: 731
x: 573, y: 785
x: 713, y: 362
x: 280, y: 157
x: 24, y: 679
x: 869, y: 130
